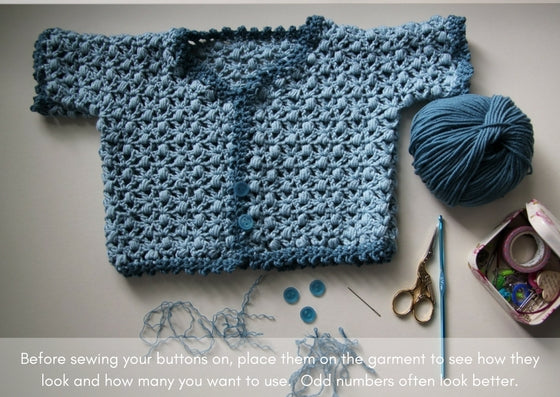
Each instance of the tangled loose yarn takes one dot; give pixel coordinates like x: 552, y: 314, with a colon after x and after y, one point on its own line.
x: 326, y: 357
x: 183, y: 323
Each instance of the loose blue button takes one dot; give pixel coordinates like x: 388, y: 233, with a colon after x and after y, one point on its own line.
x: 291, y: 295
x: 241, y: 189
x: 245, y: 222
x: 308, y: 314
x: 317, y: 288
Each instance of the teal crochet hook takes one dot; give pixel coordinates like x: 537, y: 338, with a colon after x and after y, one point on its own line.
x: 442, y: 287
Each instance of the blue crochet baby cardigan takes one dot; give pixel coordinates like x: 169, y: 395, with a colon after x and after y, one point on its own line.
x: 249, y: 148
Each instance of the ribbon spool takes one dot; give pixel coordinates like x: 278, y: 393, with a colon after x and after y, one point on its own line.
x: 537, y: 262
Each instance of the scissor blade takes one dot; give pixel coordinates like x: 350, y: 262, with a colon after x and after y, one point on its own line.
x: 431, y: 247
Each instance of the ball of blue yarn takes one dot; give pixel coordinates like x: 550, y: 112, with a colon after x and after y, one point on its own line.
x: 470, y: 150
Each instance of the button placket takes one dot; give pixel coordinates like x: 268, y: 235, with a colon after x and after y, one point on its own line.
x: 241, y: 190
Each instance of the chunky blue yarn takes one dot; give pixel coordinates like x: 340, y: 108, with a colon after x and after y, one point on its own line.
x: 248, y: 148
x: 470, y: 150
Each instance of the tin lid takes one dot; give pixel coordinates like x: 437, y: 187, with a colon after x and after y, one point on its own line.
x: 545, y: 224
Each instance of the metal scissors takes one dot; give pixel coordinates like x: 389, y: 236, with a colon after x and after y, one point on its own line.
x: 421, y: 297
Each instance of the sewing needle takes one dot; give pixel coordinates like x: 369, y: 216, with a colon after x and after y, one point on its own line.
x: 442, y: 295
x: 367, y: 304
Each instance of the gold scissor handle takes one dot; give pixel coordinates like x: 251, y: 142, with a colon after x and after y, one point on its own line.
x: 421, y: 305
x: 423, y: 309
x: 421, y: 298
x: 399, y: 301
x: 421, y: 293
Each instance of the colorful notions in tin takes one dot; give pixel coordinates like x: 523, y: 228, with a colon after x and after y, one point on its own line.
x: 308, y: 314
x: 519, y: 293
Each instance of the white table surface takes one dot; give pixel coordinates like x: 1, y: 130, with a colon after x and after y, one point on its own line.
x: 56, y: 280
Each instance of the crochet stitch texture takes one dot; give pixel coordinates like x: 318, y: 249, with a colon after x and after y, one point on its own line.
x: 249, y: 148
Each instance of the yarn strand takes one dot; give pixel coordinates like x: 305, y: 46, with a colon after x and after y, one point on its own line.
x: 196, y: 332
x: 313, y: 349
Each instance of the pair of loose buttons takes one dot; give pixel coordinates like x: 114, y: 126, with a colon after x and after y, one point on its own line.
x: 245, y: 221
x: 291, y: 296
x: 317, y: 288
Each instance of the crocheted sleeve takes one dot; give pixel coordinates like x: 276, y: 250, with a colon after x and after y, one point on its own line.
x: 83, y: 74
x: 412, y: 62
